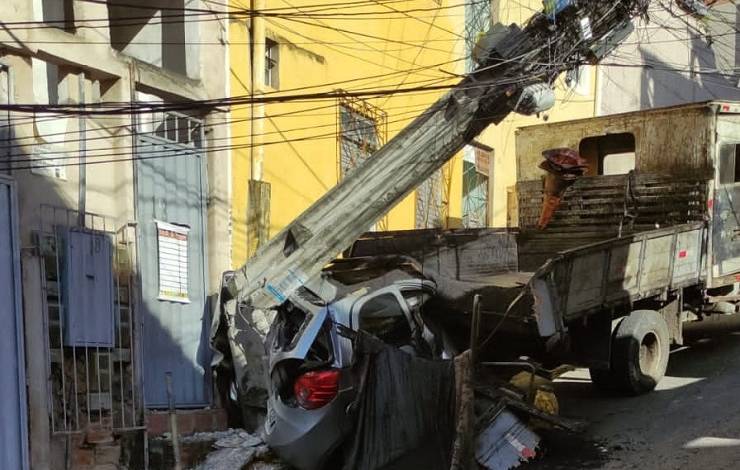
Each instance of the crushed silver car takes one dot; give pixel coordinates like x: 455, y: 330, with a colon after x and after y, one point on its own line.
x: 310, y: 358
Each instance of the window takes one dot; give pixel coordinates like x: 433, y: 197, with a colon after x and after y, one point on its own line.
x: 171, y: 126
x: 358, y: 139
x: 430, y: 203
x: 58, y: 13
x: 618, y: 163
x: 173, y: 262
x: 611, y: 154
x: 477, y: 22
x: 362, y: 129
x: 729, y: 164
x: 272, y: 64
x: 476, y: 167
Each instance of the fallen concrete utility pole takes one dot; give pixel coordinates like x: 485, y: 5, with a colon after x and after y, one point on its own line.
x: 563, y: 37
x: 517, y: 68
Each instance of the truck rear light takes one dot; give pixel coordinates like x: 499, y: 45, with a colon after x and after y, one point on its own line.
x: 316, y: 388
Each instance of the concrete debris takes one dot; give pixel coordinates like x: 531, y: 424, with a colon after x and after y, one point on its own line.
x: 234, y: 450
x: 238, y: 439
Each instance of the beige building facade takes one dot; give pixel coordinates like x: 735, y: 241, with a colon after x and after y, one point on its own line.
x: 118, y: 156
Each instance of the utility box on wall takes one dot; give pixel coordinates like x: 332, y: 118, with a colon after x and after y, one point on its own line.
x: 87, y: 288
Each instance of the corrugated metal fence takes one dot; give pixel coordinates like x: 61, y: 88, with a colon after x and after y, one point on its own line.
x: 13, y: 428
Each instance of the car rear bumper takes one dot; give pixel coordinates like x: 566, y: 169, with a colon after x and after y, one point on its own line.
x: 307, y: 438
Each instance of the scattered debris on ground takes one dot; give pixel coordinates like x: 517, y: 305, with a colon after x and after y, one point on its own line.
x: 236, y: 449
x: 564, y: 451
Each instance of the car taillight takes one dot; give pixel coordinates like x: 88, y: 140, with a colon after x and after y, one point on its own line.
x: 316, y: 388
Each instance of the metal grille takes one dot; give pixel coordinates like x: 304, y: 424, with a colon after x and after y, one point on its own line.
x: 475, y: 195
x: 430, y: 205
x: 362, y: 130
x: 477, y: 21
x: 91, y: 385
x: 173, y: 127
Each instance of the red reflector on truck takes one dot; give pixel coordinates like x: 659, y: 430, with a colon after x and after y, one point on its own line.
x: 316, y: 388
x: 682, y: 253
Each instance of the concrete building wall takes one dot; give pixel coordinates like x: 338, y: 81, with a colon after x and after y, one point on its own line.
x: 50, y: 65
x: 673, y: 59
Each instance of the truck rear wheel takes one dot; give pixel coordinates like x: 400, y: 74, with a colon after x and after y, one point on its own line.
x: 640, y: 349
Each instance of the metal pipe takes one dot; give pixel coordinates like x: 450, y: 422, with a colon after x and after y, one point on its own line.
x: 82, y: 179
x: 475, y: 330
x: 258, y: 77
x: 173, y: 421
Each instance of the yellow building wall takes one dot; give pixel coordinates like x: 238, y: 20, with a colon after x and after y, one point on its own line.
x: 378, y: 47
x: 384, y: 48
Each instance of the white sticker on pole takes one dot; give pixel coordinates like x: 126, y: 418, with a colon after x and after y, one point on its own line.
x: 282, y: 287
x: 586, y: 32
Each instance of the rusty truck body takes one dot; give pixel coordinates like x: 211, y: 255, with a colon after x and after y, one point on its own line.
x: 647, y: 239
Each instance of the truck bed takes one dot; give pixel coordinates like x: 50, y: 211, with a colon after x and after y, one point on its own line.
x: 614, y: 273
x: 598, y: 208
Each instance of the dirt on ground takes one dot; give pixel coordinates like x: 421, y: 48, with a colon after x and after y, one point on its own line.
x: 691, y: 421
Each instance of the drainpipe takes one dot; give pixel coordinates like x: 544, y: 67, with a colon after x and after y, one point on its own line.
x: 258, y: 76
x: 599, y: 82
x: 82, y: 189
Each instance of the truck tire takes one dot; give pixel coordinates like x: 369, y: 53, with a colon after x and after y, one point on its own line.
x: 640, y: 350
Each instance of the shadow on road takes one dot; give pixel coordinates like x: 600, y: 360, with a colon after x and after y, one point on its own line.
x: 692, y: 420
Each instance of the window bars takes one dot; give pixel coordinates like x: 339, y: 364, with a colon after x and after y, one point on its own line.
x: 476, y: 181
x: 477, y: 22
x: 362, y: 129
x: 173, y: 127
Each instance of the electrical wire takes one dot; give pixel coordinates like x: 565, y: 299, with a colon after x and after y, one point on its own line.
x: 430, y: 88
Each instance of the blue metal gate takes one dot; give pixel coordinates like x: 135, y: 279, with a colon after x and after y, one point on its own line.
x: 171, y: 230
x: 13, y: 428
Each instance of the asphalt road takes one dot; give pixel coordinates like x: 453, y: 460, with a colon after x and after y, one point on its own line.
x: 691, y: 421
